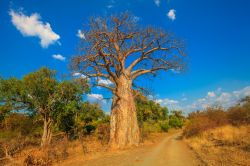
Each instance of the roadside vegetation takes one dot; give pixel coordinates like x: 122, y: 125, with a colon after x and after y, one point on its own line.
x: 221, y: 137
x: 44, y: 121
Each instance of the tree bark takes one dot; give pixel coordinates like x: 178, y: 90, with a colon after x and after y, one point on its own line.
x: 124, y: 129
x: 47, y: 133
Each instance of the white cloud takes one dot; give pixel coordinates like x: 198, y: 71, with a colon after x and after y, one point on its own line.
x: 169, y: 103
x: 211, y: 94
x: 219, y: 98
x: 157, y: 2
x: 59, y: 57
x: 80, y: 34
x: 111, y: 4
x: 33, y: 26
x: 95, y: 96
x: 211, y: 99
x: 171, y: 14
x: 104, y: 81
x: 243, y: 92
x: 77, y: 74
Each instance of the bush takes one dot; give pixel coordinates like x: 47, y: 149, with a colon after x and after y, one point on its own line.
x: 164, y: 125
x: 239, y: 115
x: 216, y: 117
x: 201, y: 121
x: 175, y: 122
x: 197, y: 125
x: 151, y: 127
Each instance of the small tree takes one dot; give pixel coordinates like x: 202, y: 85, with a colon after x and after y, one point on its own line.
x: 176, y: 119
x: 40, y: 93
x: 119, y: 50
x: 88, y: 116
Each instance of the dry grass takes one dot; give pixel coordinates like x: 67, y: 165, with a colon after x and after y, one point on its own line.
x: 59, y: 151
x: 226, y: 145
x: 62, y: 151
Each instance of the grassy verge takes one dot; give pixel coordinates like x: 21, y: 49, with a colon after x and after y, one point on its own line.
x: 226, y: 145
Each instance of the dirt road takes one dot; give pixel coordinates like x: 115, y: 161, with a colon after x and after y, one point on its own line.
x: 170, y: 151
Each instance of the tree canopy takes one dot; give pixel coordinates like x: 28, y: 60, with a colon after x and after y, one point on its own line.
x: 42, y: 94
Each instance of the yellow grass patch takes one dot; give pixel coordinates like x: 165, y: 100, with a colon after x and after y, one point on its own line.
x: 227, y: 145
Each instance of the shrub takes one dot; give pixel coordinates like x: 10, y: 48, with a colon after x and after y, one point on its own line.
x: 151, y: 126
x: 175, y: 122
x: 201, y: 121
x: 197, y: 125
x: 239, y: 115
x: 164, y: 125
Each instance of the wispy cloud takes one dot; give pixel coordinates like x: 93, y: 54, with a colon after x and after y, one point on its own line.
x: 96, y: 98
x: 157, y: 2
x: 169, y: 103
x: 59, y: 57
x: 214, y: 98
x: 171, y: 14
x: 219, y: 98
x: 211, y: 94
x: 80, y: 34
x: 136, y: 18
x: 105, y: 81
x: 77, y: 74
x: 33, y: 26
x: 110, y: 6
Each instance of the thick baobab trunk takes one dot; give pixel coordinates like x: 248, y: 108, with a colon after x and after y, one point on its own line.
x: 47, y: 133
x: 124, y: 129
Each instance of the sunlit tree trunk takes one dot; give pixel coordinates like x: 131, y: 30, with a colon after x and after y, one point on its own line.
x: 124, y: 126
x: 47, y: 132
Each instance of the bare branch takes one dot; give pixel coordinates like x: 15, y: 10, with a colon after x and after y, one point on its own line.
x: 107, y: 87
x: 140, y: 72
x: 118, y: 47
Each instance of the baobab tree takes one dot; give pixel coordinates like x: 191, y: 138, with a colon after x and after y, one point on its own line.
x: 119, y: 50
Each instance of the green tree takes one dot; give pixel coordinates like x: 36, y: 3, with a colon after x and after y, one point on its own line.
x: 89, y: 116
x: 149, y: 110
x: 176, y: 119
x: 40, y: 93
x: 151, y: 116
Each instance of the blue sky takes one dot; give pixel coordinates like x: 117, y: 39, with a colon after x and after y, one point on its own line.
x: 216, y: 34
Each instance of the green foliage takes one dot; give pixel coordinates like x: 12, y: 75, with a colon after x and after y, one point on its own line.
x: 89, y: 117
x: 148, y: 110
x: 67, y: 102
x: 165, y: 126
x: 175, y: 122
x: 151, y: 126
x: 176, y: 119
x: 40, y: 93
x: 154, y: 118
